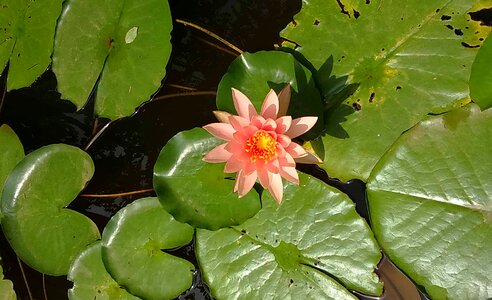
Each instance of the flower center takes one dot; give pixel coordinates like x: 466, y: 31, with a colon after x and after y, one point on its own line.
x: 261, y: 146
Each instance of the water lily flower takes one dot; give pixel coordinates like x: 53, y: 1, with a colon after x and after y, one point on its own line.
x: 260, y: 146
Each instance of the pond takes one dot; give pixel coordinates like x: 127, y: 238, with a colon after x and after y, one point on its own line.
x: 125, y: 151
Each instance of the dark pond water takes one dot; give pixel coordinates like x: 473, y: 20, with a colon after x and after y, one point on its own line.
x: 125, y: 151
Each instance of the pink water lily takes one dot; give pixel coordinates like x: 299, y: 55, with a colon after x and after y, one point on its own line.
x: 260, y: 146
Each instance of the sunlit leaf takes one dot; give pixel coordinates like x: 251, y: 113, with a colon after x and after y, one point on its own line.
x: 383, y: 65
x: 91, y: 280
x: 27, y: 30
x: 430, y: 200
x: 132, y: 250
x: 11, y: 153
x: 481, y: 76
x: 121, y: 51
x: 43, y: 233
x: 6, y: 287
x: 197, y: 192
x: 255, y: 74
x: 312, y: 246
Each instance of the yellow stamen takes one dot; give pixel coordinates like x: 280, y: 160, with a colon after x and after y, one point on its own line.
x: 261, y: 146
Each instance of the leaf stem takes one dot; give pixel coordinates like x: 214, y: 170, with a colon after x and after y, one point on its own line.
x: 116, y: 195
x: 24, y: 277
x: 202, y: 93
x: 44, y: 289
x: 210, y: 33
x: 218, y: 47
x: 181, y: 87
x: 3, y: 95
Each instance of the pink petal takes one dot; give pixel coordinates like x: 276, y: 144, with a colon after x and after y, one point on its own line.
x: 283, y: 100
x: 290, y: 174
x: 270, y: 125
x: 283, y: 124
x: 310, y: 158
x: 285, y: 141
x: 243, y: 105
x: 237, y: 122
x: 296, y: 150
x: 273, y: 166
x: 220, y: 130
x: 222, y: 116
x: 264, y: 177
x: 245, y: 182
x: 218, y: 154
x: 269, y: 108
x: 276, y: 187
x: 300, y: 126
x: 258, y: 122
x: 233, y: 165
x: 286, y: 161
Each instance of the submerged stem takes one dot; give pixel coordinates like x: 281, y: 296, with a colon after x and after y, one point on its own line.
x: 210, y: 33
x: 116, y: 195
x: 24, y: 277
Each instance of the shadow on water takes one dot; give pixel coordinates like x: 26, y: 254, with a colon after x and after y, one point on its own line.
x: 125, y: 152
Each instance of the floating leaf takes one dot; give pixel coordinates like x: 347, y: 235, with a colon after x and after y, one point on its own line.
x: 393, y: 62
x: 6, y: 286
x: 12, y: 152
x: 125, y: 43
x: 43, y: 233
x: 255, y: 74
x: 312, y: 246
x: 430, y: 200
x: 481, y: 76
x: 197, y: 192
x: 91, y: 280
x: 132, y: 245
x: 27, y: 31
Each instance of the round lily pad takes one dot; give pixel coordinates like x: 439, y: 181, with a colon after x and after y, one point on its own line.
x: 12, y: 152
x: 123, y: 48
x: 430, y: 200
x: 255, y: 74
x: 386, y: 64
x: 44, y: 234
x: 313, y: 246
x: 26, y: 35
x: 91, y: 280
x: 197, y: 192
x: 481, y: 76
x: 133, y: 251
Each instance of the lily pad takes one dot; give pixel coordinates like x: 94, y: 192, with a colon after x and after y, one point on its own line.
x: 132, y: 251
x: 393, y: 62
x: 481, y: 76
x: 430, y: 200
x: 196, y: 192
x: 6, y: 287
x: 43, y: 233
x: 120, y: 51
x: 255, y: 74
x: 27, y: 31
x: 91, y: 280
x: 12, y: 152
x: 312, y: 246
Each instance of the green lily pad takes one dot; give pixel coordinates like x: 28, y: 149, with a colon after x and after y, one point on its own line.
x: 392, y: 61
x: 255, y: 74
x: 12, y: 152
x: 91, y: 280
x: 132, y: 245
x: 430, y: 200
x: 27, y: 31
x: 197, y: 192
x: 312, y: 246
x: 43, y: 233
x: 123, y: 48
x: 481, y: 76
x: 6, y: 287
